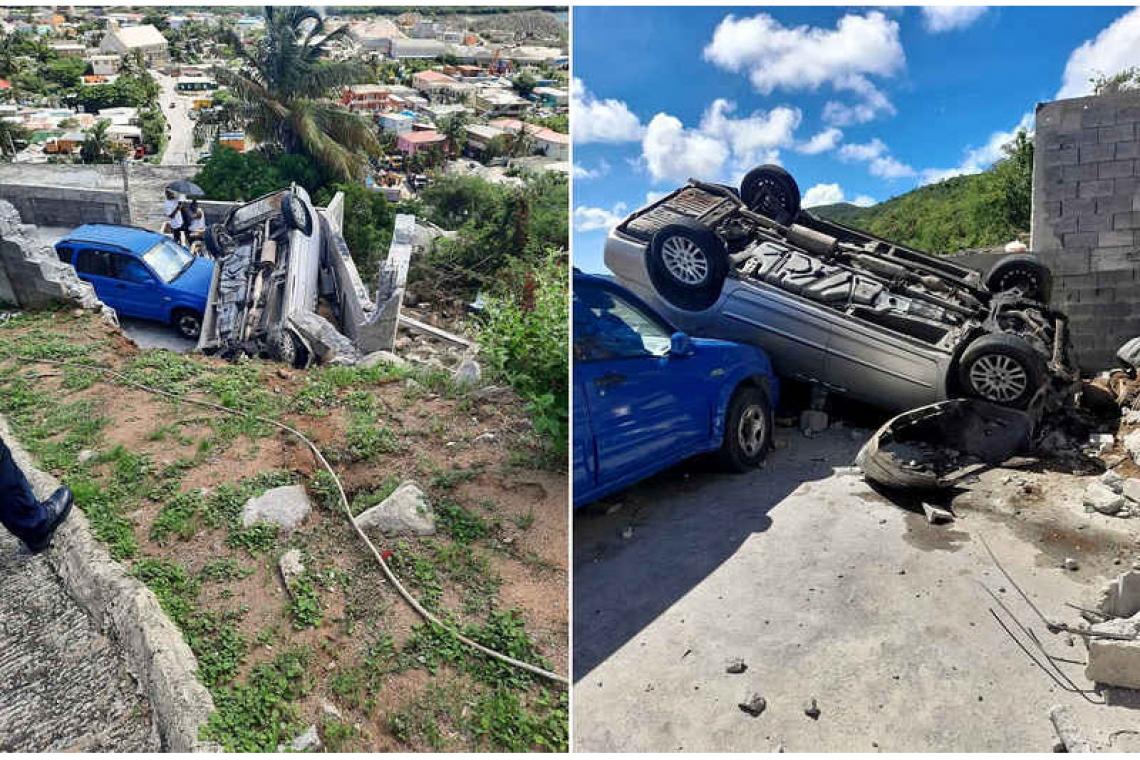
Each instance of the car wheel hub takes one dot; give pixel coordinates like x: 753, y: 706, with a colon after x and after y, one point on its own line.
x: 189, y: 326
x: 998, y: 378
x: 685, y: 260
x: 752, y: 430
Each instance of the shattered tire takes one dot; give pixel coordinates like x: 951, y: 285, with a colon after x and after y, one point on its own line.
x: 295, y: 213
x: 1002, y: 368
x: 218, y: 241
x: 687, y: 264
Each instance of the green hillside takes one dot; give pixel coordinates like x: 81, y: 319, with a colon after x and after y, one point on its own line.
x: 971, y: 211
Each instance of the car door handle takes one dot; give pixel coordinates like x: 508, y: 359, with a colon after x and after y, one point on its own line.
x: 608, y: 379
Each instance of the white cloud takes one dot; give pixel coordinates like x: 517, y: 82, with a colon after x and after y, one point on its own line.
x: 948, y: 18
x: 721, y: 146
x: 978, y: 159
x: 601, y: 121
x: 1116, y: 48
x: 823, y: 195
x: 878, y: 158
x: 580, y: 172
x: 592, y: 218
x: 873, y: 103
x: 806, y: 58
x: 821, y: 142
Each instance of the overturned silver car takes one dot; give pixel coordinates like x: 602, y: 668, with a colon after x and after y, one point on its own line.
x: 286, y: 288
x: 862, y: 316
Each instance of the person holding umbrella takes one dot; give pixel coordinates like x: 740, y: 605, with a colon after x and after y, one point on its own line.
x: 181, y: 214
x: 173, y: 210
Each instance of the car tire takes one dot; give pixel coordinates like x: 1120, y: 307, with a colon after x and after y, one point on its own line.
x: 772, y: 192
x: 218, y: 241
x: 1003, y: 369
x: 1024, y: 271
x: 747, y: 430
x: 187, y: 322
x: 687, y: 264
x: 296, y: 214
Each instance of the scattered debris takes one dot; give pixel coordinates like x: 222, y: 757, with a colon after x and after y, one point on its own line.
x: 736, y: 665
x: 1071, y: 564
x: 329, y: 709
x: 286, y: 506
x: 754, y: 705
x: 406, y: 512
x: 812, y: 421
x: 1101, y: 498
x: 1114, y: 654
x: 811, y: 709
x: 468, y: 373
x: 935, y: 515
x: 1067, y: 731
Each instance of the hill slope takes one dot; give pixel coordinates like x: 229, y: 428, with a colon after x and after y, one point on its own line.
x: 971, y: 211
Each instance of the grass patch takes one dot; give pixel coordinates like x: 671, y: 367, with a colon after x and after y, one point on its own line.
x: 459, y: 522
x: 179, y: 516
x: 258, y: 715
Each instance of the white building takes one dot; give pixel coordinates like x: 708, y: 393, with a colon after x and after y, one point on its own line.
x: 125, y: 40
x: 105, y: 65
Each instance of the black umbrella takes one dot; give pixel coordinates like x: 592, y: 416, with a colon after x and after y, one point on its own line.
x: 185, y: 187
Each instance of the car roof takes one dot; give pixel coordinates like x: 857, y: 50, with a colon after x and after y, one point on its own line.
x: 134, y: 239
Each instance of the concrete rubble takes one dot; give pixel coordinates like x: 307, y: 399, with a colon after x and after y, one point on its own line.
x: 1114, y: 641
x: 406, y: 512
x: 286, y: 507
x: 31, y: 274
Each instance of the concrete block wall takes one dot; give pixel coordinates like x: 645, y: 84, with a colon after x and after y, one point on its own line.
x: 46, y: 206
x: 1086, y: 217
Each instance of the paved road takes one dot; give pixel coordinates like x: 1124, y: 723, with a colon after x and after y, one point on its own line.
x: 63, y: 686
x: 826, y: 590
x: 180, y: 148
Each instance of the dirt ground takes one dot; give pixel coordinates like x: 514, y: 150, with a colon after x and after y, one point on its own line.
x: 829, y: 590
x: 161, y: 482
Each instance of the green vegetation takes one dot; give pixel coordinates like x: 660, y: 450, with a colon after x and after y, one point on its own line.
x: 283, y: 82
x: 524, y: 341
x: 230, y: 176
x: 258, y: 715
x: 975, y: 210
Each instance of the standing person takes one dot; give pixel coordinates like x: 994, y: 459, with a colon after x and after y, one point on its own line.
x: 173, y: 209
x: 33, y: 522
x: 196, y: 226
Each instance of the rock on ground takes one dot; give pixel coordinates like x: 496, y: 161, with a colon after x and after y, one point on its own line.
x: 1132, y: 445
x: 1103, y: 499
x: 291, y: 566
x: 1115, y: 662
x: 287, y: 506
x: 310, y: 740
x: 405, y: 512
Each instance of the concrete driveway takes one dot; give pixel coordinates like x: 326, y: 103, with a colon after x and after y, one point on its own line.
x: 826, y: 590
x: 180, y: 149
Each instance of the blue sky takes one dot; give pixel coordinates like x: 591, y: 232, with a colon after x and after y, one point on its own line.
x: 859, y: 104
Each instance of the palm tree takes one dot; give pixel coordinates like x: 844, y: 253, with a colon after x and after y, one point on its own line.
x: 518, y: 143
x: 283, y: 86
x: 10, y: 135
x: 97, y: 145
x: 9, y: 65
x: 454, y: 128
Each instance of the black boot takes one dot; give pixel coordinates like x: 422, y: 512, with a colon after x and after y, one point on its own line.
x: 57, y: 506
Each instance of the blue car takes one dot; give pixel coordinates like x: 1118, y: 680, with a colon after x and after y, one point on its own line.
x: 647, y: 396
x: 140, y: 273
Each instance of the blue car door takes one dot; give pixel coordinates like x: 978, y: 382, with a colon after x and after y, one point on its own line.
x: 136, y: 287
x: 94, y: 266
x: 645, y: 410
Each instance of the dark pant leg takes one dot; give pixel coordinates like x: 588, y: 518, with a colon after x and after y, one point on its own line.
x: 19, y: 511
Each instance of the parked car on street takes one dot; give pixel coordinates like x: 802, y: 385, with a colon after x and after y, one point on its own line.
x: 140, y: 273
x: 860, y: 315
x: 647, y: 396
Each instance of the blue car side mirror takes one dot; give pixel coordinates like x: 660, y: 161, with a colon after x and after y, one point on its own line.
x: 680, y: 344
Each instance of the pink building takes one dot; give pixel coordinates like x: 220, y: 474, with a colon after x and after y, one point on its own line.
x: 415, y: 141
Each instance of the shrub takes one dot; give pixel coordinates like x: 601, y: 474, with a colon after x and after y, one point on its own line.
x: 525, y: 339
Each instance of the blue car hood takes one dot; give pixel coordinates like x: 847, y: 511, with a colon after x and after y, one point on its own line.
x: 196, y: 280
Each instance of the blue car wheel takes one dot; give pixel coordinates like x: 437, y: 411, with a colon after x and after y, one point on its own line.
x: 747, y: 429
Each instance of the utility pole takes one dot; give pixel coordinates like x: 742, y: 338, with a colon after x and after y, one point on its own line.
x: 127, y: 188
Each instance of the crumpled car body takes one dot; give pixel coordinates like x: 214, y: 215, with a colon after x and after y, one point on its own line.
x: 268, y: 255
x: 860, y: 315
x: 936, y: 446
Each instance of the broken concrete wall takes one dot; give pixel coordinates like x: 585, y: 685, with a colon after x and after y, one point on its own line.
x: 379, y: 332
x: 33, y: 277
x: 1086, y: 216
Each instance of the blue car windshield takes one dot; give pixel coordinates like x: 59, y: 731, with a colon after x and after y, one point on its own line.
x: 606, y: 326
x: 168, y: 260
